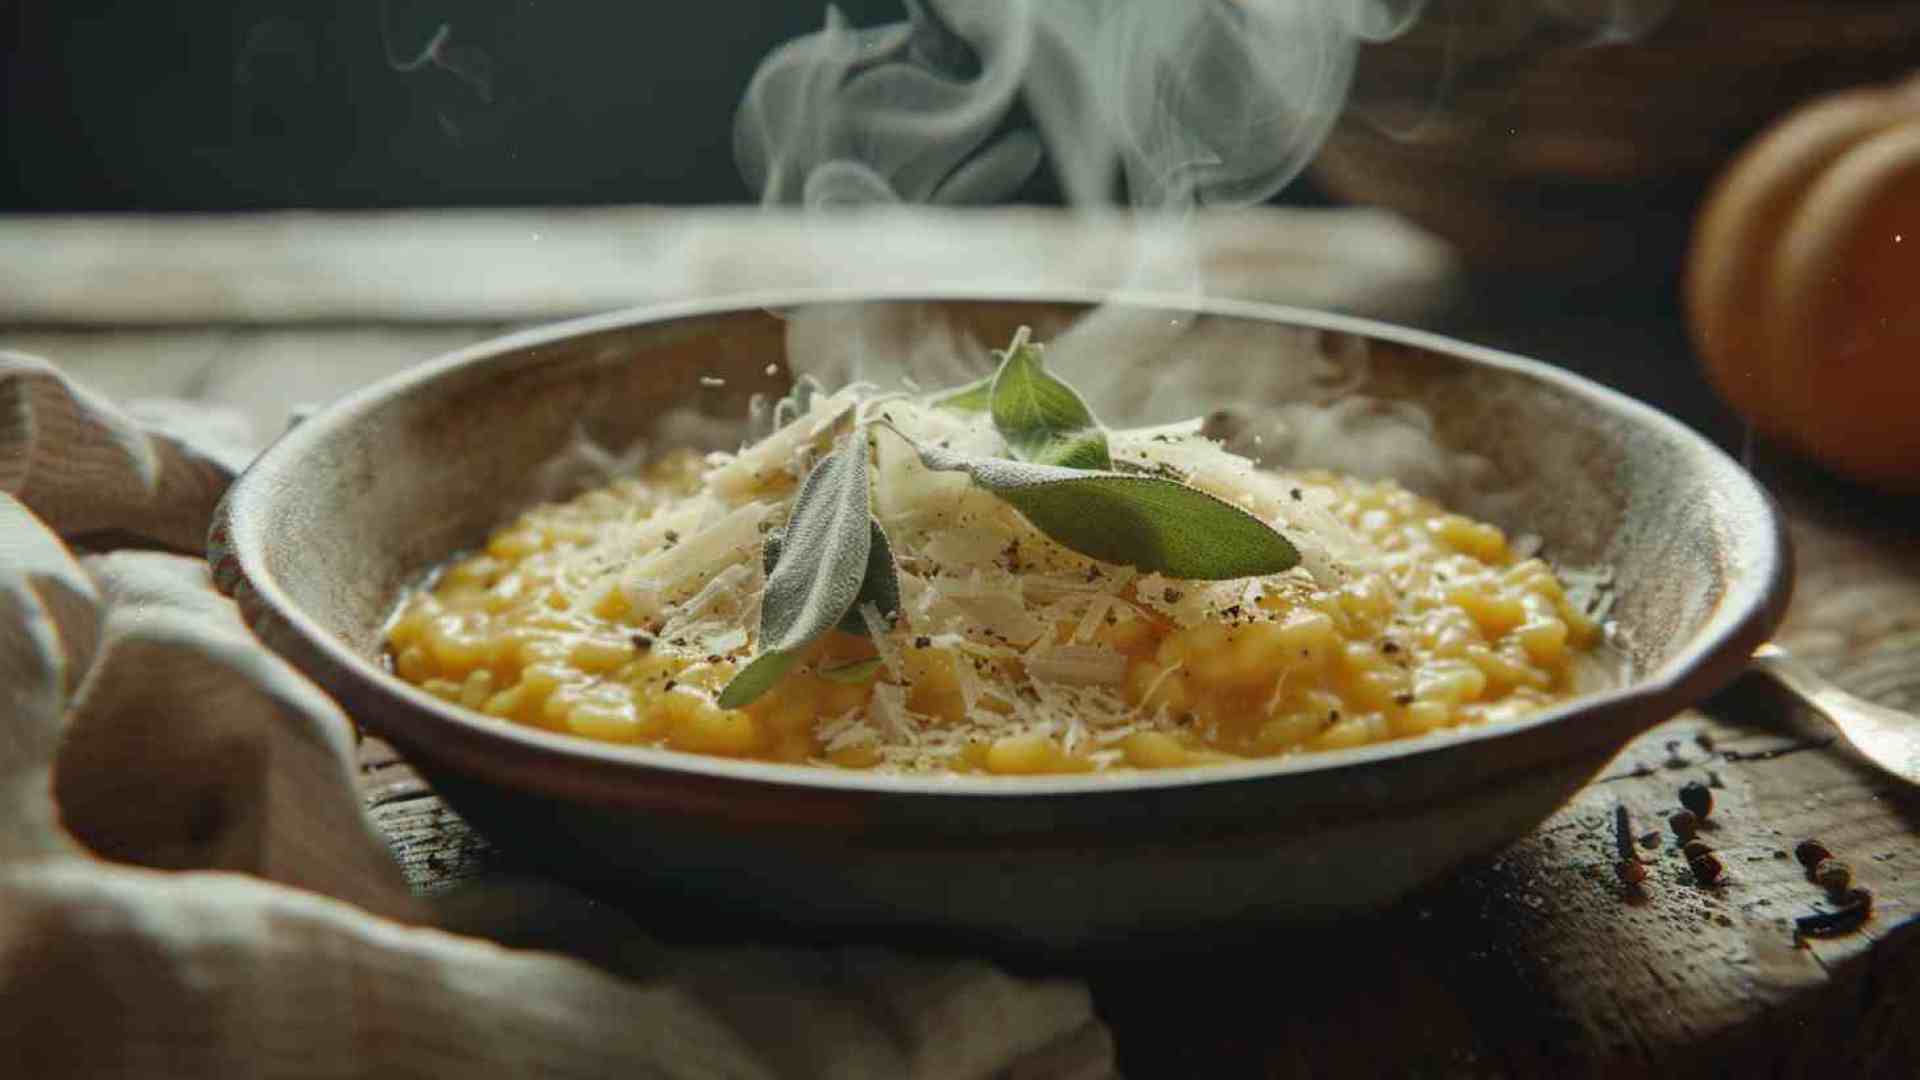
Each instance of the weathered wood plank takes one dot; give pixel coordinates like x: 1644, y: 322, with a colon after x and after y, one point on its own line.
x: 1539, y: 961
x: 516, y: 265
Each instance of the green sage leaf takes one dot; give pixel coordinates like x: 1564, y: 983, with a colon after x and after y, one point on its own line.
x: 818, y: 572
x: 1044, y: 420
x: 881, y: 586
x: 756, y: 678
x: 972, y: 398
x: 853, y: 674
x: 1152, y: 523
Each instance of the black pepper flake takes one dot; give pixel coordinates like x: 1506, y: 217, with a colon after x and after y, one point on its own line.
x: 1172, y: 595
x: 641, y: 641
x: 672, y: 538
x: 1707, y: 869
x: 1389, y: 646
x: 1623, y: 834
x: 923, y: 642
x: 1696, y: 797
x: 1811, y: 853
x: 1403, y: 699
x: 670, y: 685
x: 1296, y: 494
x: 1684, y: 824
x: 713, y: 658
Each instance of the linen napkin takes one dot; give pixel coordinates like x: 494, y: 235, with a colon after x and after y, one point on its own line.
x: 189, y: 888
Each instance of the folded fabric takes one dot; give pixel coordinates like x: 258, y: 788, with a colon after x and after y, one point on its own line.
x: 189, y: 888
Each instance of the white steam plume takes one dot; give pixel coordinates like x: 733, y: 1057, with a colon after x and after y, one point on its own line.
x: 1202, y: 102
x: 1178, y: 104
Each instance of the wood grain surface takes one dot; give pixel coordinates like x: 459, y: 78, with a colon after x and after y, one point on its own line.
x: 1536, y: 962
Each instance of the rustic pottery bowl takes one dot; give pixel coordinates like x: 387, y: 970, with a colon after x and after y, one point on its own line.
x: 321, y: 536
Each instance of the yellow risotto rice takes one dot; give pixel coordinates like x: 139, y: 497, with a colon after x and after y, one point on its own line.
x: 620, y: 614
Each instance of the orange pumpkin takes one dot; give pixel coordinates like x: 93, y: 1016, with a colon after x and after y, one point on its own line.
x: 1803, y: 283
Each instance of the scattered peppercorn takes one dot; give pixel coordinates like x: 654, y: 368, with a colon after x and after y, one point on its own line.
x: 1707, y: 868
x: 642, y: 641
x: 923, y: 642
x: 1650, y: 839
x: 1705, y: 740
x: 1684, y: 823
x: 1811, y: 853
x: 1697, y: 797
x: 1833, y: 875
x: 1693, y: 849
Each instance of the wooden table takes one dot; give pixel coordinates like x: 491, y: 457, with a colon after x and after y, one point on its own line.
x: 1535, y: 962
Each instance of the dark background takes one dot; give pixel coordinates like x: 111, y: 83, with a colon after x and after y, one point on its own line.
x: 238, y: 104
x: 124, y: 104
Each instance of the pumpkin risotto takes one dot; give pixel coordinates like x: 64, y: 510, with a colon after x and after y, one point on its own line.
x: 622, y: 614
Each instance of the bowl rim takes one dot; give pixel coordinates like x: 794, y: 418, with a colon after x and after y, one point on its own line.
x: 1743, y: 616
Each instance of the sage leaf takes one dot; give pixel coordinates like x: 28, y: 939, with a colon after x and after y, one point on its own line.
x: 819, y: 569
x: 974, y: 397
x: 881, y: 586
x: 853, y: 674
x: 1043, y: 419
x: 1149, y: 522
x: 756, y: 678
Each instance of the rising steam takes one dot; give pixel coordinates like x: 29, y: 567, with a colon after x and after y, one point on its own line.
x: 1171, y: 103
x: 1161, y: 105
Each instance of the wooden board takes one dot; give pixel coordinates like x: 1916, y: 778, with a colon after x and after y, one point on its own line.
x: 1539, y: 961
x: 1535, y: 962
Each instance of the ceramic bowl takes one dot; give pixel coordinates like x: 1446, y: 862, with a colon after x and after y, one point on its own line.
x: 319, y: 539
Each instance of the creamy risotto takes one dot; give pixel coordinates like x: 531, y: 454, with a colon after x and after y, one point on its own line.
x: 620, y: 615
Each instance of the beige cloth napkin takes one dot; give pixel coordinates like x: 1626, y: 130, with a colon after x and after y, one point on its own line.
x: 188, y: 886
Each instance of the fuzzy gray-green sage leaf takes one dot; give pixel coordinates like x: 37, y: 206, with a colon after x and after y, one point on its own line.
x: 819, y: 571
x: 1149, y: 522
x: 881, y: 586
x: 1044, y: 420
x: 975, y: 397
